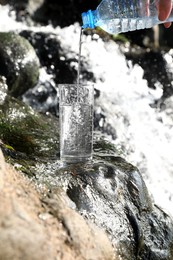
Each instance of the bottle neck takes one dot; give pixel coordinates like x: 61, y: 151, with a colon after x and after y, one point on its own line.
x: 89, y: 19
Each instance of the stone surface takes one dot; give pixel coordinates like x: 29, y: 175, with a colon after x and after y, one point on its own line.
x: 44, y: 228
x: 18, y: 63
x: 112, y: 194
x: 27, y: 133
x: 75, y: 225
x: 2, y: 170
x: 3, y: 2
x: 107, y: 192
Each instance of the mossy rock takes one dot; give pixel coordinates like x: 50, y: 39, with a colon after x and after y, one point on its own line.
x: 30, y: 134
x: 18, y: 63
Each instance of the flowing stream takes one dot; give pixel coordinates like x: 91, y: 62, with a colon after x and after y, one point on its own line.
x: 79, y: 59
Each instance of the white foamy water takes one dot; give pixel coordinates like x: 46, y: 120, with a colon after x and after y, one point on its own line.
x: 145, y: 133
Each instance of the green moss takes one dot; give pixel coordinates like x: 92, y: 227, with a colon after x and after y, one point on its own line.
x: 107, y: 36
x: 120, y: 38
x: 102, y: 145
x: 27, y: 131
x: 9, y: 147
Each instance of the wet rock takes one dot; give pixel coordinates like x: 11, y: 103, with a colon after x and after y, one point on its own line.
x: 3, y: 90
x: 33, y: 6
x: 108, y: 192
x: 22, y: 235
x: 26, y: 133
x: 18, y: 63
x: 165, y: 37
x: 3, y: 2
x: 37, y: 228
x: 25, y: 9
x: 82, y: 235
x: 111, y: 193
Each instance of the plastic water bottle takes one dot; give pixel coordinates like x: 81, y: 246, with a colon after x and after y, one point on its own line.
x: 116, y: 16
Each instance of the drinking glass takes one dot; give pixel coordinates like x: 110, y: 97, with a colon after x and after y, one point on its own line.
x: 76, y: 122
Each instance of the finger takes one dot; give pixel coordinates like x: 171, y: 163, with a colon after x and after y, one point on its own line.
x: 165, y: 7
x: 167, y: 25
x: 147, y: 3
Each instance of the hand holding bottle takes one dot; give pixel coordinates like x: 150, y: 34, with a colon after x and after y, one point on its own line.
x: 117, y: 16
x: 164, y: 10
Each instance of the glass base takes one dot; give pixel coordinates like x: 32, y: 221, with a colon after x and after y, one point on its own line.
x: 74, y: 159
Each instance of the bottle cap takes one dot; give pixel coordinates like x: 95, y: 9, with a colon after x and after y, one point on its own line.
x: 88, y: 20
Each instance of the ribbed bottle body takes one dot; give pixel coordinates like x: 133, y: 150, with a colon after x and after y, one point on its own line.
x: 116, y: 16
